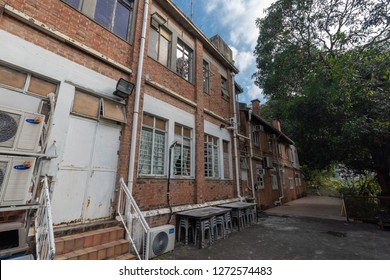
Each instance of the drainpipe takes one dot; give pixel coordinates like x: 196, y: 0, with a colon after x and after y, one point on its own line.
x: 135, y: 117
x: 279, y: 202
x: 137, y: 98
x: 235, y: 137
x: 251, y: 154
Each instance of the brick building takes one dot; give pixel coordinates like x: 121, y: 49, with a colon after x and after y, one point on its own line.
x: 69, y: 112
x: 270, y: 170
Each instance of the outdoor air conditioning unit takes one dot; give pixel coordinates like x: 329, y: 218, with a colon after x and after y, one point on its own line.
x: 162, y: 240
x: 15, y: 179
x: 259, y: 128
x: 20, y: 131
x: 12, y: 239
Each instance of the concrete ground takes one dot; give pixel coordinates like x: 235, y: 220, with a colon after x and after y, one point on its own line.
x: 310, y: 228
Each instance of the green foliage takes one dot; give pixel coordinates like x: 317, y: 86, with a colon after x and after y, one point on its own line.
x: 325, y: 68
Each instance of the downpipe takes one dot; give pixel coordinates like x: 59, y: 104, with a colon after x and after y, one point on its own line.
x: 169, y: 182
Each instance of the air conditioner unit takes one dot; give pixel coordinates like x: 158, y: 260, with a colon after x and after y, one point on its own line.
x: 15, y: 179
x: 20, y: 131
x: 259, y: 128
x: 267, y: 162
x: 162, y: 240
x: 12, y: 239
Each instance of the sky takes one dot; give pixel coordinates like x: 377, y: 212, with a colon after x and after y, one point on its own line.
x: 234, y: 21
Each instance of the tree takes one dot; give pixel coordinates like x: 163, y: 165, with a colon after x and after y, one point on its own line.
x: 325, y: 67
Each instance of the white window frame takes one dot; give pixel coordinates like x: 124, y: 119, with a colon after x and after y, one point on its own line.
x: 178, y: 162
x: 211, y: 166
x: 153, y: 156
x: 260, y: 176
x: 184, y: 55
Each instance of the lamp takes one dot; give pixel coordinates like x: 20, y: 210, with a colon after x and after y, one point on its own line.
x: 123, y: 88
x: 158, y: 18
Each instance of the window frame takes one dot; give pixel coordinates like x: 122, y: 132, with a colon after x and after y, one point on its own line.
x: 154, y: 130
x: 89, y: 8
x: 206, y: 76
x: 157, y: 28
x: 224, y: 88
x: 181, y: 139
x: 183, y: 48
x: 211, y: 143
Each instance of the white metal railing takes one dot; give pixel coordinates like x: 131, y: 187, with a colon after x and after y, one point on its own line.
x: 44, y: 234
x: 137, y: 229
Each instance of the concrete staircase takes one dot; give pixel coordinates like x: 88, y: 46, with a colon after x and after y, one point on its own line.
x: 99, y: 244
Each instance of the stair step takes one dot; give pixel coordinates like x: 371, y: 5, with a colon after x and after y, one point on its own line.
x: 108, y: 250
x: 127, y: 256
x: 74, y: 242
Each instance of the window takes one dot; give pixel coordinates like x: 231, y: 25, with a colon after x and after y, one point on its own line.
x: 297, y: 180
x: 274, y: 179
x: 281, y: 173
x: 226, y: 160
x: 224, y: 91
x: 26, y: 82
x: 255, y: 138
x: 259, y: 176
x: 182, y: 151
x: 287, y: 151
x: 280, y: 149
x: 206, y: 77
x: 115, y: 15
x: 291, y: 183
x: 159, y: 47
x: 152, y: 149
x: 184, y: 61
x: 211, y: 160
x: 269, y: 144
x: 94, y: 107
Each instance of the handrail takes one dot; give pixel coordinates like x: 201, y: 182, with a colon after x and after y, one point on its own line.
x: 128, y: 211
x: 44, y: 234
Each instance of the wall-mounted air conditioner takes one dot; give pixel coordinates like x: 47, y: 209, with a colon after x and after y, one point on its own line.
x: 162, y: 240
x: 15, y: 179
x: 20, y: 131
x: 12, y: 239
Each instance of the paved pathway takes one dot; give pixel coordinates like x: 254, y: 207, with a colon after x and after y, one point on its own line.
x: 311, y: 206
x: 290, y: 232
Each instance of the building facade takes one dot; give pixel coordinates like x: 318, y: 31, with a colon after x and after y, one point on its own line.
x: 270, y: 169
x: 173, y: 138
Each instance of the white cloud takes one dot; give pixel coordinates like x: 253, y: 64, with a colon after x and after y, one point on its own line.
x: 243, y: 59
x: 236, y: 19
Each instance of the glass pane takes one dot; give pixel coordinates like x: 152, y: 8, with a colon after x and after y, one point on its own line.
x: 11, y: 77
x: 103, y: 12
x: 41, y: 87
x: 164, y: 51
x: 159, y: 154
x: 74, y: 3
x: 145, y: 155
x: 121, y: 21
x: 148, y: 120
x: 86, y: 105
x: 114, y: 111
x: 187, y: 132
x: 178, y: 129
x: 160, y: 124
x: 153, y: 43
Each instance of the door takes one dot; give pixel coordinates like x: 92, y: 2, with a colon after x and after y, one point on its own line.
x: 85, y: 187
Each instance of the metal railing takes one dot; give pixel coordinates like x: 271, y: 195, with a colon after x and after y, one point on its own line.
x: 137, y: 229
x: 365, y: 208
x: 44, y: 234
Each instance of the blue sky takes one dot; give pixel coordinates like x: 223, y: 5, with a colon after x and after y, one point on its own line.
x: 234, y: 21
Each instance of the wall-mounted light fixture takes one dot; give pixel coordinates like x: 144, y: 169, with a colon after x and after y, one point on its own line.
x: 123, y: 88
x: 158, y: 18
x: 222, y: 126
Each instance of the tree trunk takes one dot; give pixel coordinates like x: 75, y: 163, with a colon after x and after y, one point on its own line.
x: 384, y: 181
